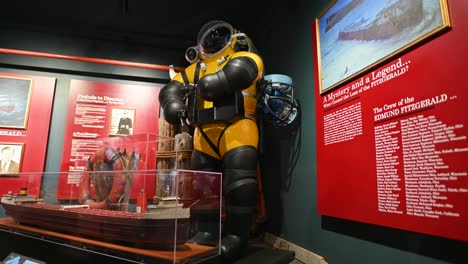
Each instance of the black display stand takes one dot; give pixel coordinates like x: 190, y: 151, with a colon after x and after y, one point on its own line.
x: 53, y: 247
x: 53, y: 252
x: 49, y: 252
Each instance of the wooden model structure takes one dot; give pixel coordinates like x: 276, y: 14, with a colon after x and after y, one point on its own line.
x: 172, y: 155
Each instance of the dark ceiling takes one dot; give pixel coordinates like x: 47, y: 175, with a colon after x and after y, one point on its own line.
x: 147, y: 19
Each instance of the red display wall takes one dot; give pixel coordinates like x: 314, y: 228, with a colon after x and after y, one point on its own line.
x: 392, y: 145
x: 93, y: 114
x: 31, y: 136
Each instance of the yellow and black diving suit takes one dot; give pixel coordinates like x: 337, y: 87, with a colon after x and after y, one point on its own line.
x: 217, y: 96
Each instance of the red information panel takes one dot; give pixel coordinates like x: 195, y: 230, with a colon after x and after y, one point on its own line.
x: 392, y: 145
x: 106, y: 114
x: 25, y: 109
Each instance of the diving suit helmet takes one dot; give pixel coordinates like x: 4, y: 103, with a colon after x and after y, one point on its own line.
x: 214, y: 38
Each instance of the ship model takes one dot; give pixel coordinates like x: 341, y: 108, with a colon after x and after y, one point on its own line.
x: 164, y: 225
x: 388, y: 22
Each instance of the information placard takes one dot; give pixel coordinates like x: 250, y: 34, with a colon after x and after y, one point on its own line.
x: 99, y: 110
x: 392, y: 145
x: 25, y: 111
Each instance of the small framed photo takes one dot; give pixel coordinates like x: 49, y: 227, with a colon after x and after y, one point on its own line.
x: 11, y: 157
x: 356, y: 35
x: 122, y: 122
x: 15, y: 97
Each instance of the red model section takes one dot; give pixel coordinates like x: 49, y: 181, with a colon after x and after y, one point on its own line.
x: 106, y: 225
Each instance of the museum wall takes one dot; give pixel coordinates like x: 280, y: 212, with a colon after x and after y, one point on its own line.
x: 284, y: 39
x: 292, y: 203
x: 109, y: 46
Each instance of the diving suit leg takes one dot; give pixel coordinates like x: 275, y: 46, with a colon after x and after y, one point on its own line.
x: 239, y: 192
x: 204, y: 216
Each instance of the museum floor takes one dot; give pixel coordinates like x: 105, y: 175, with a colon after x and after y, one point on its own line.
x: 52, y: 252
x: 260, y: 252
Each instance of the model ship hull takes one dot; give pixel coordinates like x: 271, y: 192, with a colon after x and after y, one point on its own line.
x: 389, y: 22
x: 111, y: 226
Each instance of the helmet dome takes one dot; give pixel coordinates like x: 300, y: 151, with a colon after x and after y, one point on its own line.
x: 214, y: 37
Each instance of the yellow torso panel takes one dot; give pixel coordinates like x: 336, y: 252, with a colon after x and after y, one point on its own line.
x: 238, y: 133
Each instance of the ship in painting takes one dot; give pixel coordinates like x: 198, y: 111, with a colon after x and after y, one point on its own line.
x: 164, y: 225
x: 6, y: 105
x: 391, y: 20
x: 336, y: 17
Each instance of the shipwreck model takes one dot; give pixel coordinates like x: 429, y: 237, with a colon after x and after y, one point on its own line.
x: 387, y: 23
x: 155, y: 228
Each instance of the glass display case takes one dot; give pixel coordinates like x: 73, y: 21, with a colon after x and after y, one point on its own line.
x: 155, y: 230
x: 144, y: 151
x: 118, y: 208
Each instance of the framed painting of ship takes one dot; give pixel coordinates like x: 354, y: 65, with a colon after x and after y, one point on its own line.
x: 15, y: 97
x: 354, y: 36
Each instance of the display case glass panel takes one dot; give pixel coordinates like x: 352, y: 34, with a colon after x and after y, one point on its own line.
x: 153, y: 226
x: 145, y: 150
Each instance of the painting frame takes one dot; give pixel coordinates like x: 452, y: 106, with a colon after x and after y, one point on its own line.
x: 15, y: 101
x: 11, y: 153
x: 116, y: 118
x: 345, y: 35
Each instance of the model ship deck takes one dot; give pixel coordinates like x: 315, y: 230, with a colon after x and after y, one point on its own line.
x: 161, y: 227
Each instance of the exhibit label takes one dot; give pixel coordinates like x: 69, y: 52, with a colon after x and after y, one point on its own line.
x: 399, y: 134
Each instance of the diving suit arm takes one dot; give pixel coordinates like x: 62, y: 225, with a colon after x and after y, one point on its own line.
x: 171, y: 99
x: 238, y: 74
